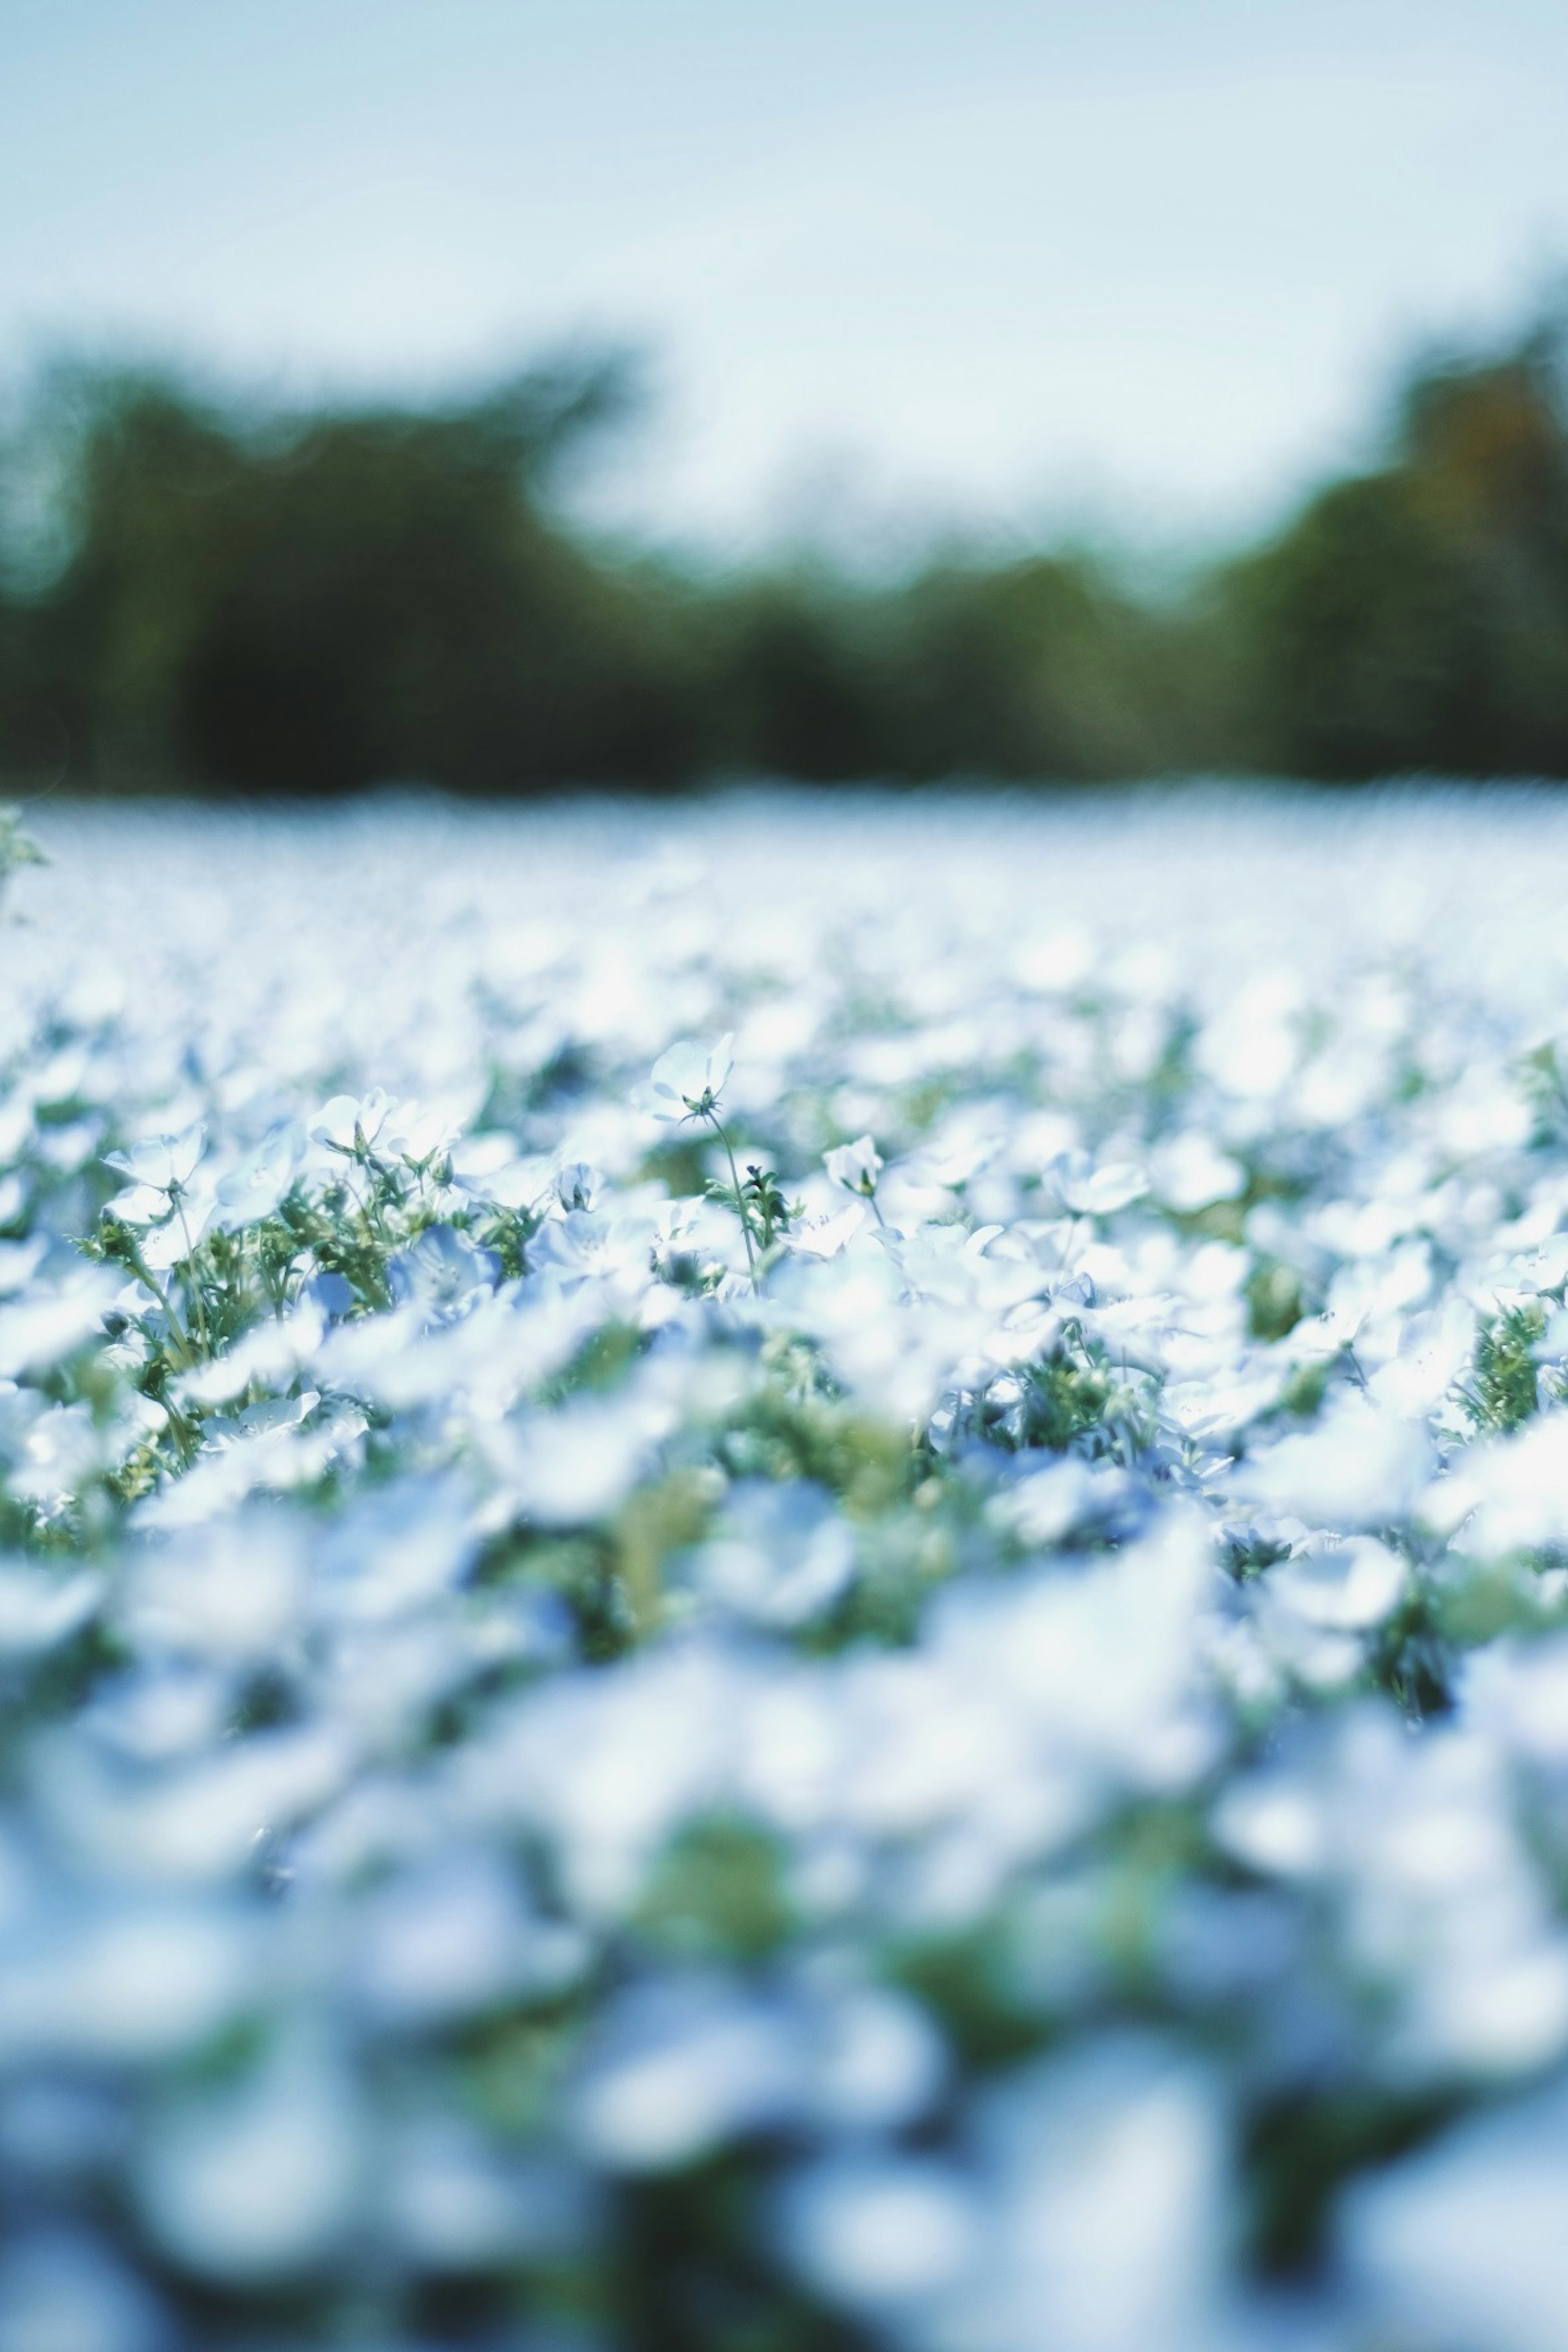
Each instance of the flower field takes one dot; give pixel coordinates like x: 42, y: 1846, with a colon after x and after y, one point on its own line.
x: 785, y: 1575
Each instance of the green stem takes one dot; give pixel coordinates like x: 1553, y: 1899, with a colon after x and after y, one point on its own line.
x: 193, y: 1280
x: 143, y: 1273
x: 740, y: 1199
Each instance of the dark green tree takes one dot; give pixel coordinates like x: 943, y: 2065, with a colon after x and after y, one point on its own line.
x: 1416, y: 617
x: 317, y: 604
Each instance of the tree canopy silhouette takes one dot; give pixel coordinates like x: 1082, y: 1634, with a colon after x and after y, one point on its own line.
x: 196, y: 593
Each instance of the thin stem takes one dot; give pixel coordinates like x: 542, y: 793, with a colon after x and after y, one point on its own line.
x: 193, y: 1280
x: 143, y: 1273
x: 274, y: 1281
x: 375, y: 1170
x: 740, y: 1198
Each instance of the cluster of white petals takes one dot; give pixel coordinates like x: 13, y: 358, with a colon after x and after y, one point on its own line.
x: 785, y: 1577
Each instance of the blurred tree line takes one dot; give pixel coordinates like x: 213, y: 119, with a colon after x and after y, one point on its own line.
x: 195, y: 594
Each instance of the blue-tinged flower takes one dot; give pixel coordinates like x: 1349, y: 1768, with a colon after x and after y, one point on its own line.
x: 578, y: 1185
x: 583, y: 1244
x: 1091, y: 1191
x: 255, y: 1188
x: 351, y: 1124
x: 173, y: 1239
x: 160, y: 1168
x: 686, y: 1081
x: 856, y: 1166
x: 44, y: 1328
x: 782, y: 1554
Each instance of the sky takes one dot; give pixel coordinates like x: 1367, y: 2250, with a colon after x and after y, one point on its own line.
x: 1008, y: 264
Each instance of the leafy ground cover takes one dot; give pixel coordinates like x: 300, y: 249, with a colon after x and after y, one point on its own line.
x: 778, y: 1579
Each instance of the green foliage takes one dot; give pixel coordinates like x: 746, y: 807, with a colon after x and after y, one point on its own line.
x: 1274, y: 1300
x: 1065, y: 1399
x: 226, y: 1283
x: 1502, y: 1394
x: 1416, y: 617
x: 15, y: 848
x: 718, y: 1894
x: 319, y: 602
x: 1303, y: 2145
x: 765, y: 1204
x: 1073, y: 1399
x: 791, y: 1425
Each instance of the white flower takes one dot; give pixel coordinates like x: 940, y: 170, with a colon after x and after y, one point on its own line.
x: 1344, y: 1586
x: 1359, y: 1467
x: 255, y: 1188
x: 419, y: 1132
x: 578, y: 1185
x: 825, y: 1237
x: 686, y: 1081
x: 172, y: 1240
x: 583, y: 1244
x: 1090, y: 1192
x: 44, y: 1328
x: 856, y: 1166
x: 352, y: 1125
x: 782, y: 1554
x: 159, y: 1169
x: 1191, y: 1172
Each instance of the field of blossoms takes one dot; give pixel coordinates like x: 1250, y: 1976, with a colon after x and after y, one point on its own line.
x: 786, y: 1575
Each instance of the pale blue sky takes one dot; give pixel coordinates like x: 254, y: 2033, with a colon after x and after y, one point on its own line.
x: 965, y: 257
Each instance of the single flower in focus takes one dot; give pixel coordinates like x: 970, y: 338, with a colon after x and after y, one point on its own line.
x: 686, y: 1081
x: 160, y: 1168
x: 351, y: 1125
x: 856, y: 1166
